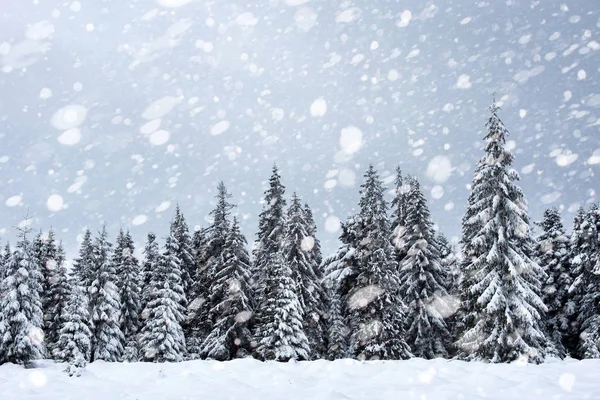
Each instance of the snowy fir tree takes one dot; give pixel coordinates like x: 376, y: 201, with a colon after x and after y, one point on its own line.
x: 21, y: 335
x: 151, y: 258
x: 297, y: 246
x: 398, y: 221
x: 162, y: 338
x: 585, y: 248
x: 185, y: 254
x: 83, y: 266
x: 271, y: 225
x: 423, y: 282
x: 56, y: 303
x: 230, y: 296
x: 107, y: 340
x: 279, y: 334
x: 315, y: 251
x: 501, y: 293
x: 128, y: 271
x: 552, y: 254
x: 74, y: 342
x: 375, y: 309
x: 337, y: 331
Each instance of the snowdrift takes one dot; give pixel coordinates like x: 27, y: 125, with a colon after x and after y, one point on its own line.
x: 343, y: 379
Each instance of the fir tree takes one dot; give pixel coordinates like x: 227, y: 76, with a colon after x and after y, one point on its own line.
x: 586, y: 287
x: 151, y: 258
x: 74, y: 342
x: 503, y: 311
x: 162, y: 338
x: 83, y: 267
x: 423, y: 282
x: 56, y: 304
x: 375, y: 310
x: 552, y: 254
x: 271, y: 223
x: 21, y: 336
x: 209, y: 260
x: 297, y: 247
x: 184, y: 252
x: 129, y: 274
x: 230, y: 295
x: 315, y: 251
x: 398, y: 222
x: 337, y: 331
x: 279, y: 333
x: 107, y: 341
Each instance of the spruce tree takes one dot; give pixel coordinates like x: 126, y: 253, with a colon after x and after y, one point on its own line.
x: 271, y: 226
x: 162, y: 338
x: 74, y: 342
x: 586, y: 287
x: 56, y: 303
x: 375, y: 309
x: 209, y: 259
x: 552, y: 254
x: 398, y: 221
x: 298, y: 243
x: 423, y: 282
x: 107, y: 341
x: 230, y: 296
x: 129, y: 273
x: 21, y: 336
x: 279, y: 334
x: 501, y: 295
x: 315, y: 251
x: 151, y: 258
x: 184, y: 252
x: 83, y: 266
x: 337, y: 331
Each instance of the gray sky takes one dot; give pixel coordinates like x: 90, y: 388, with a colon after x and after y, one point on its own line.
x: 116, y: 110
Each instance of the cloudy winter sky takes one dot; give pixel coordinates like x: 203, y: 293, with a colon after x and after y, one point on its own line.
x: 116, y: 110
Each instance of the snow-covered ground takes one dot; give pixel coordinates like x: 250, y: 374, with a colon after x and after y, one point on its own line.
x: 344, y: 379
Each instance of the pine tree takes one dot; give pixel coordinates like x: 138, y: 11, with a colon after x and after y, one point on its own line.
x: 297, y: 248
x: 586, y: 287
x: 74, y: 342
x: 129, y: 273
x: 279, y: 333
x: 151, y: 258
x: 83, y: 267
x: 56, y: 302
x: 107, y: 341
x: 271, y: 226
x: 230, y: 294
x: 184, y: 252
x: 398, y: 222
x: 423, y: 282
x: 315, y: 251
x: 162, y: 338
x: 503, y: 311
x: 375, y: 310
x: 337, y: 331
x: 209, y: 258
x: 552, y: 254
x: 21, y: 336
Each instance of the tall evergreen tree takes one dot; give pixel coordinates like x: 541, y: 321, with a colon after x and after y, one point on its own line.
x: 107, y: 341
x: 130, y: 279
x: 74, y: 342
x: 151, y: 258
x: 585, y: 244
x: 56, y: 302
x: 230, y: 296
x: 503, y: 310
x: 162, y: 336
x: 423, y: 282
x: 315, y: 251
x: 375, y: 310
x: 209, y: 258
x: 271, y: 226
x: 297, y: 247
x: 21, y: 336
x: 279, y: 333
x: 337, y: 331
x: 398, y: 222
x: 184, y: 252
x: 552, y: 254
x: 83, y: 266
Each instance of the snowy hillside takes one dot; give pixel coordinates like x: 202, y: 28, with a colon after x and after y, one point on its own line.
x: 342, y: 379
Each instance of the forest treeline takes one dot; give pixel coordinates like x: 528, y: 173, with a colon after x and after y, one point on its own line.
x: 395, y: 288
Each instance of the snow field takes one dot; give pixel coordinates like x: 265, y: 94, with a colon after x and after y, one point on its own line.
x: 342, y: 379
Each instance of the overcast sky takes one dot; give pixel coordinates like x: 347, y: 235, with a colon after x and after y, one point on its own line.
x: 114, y: 111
